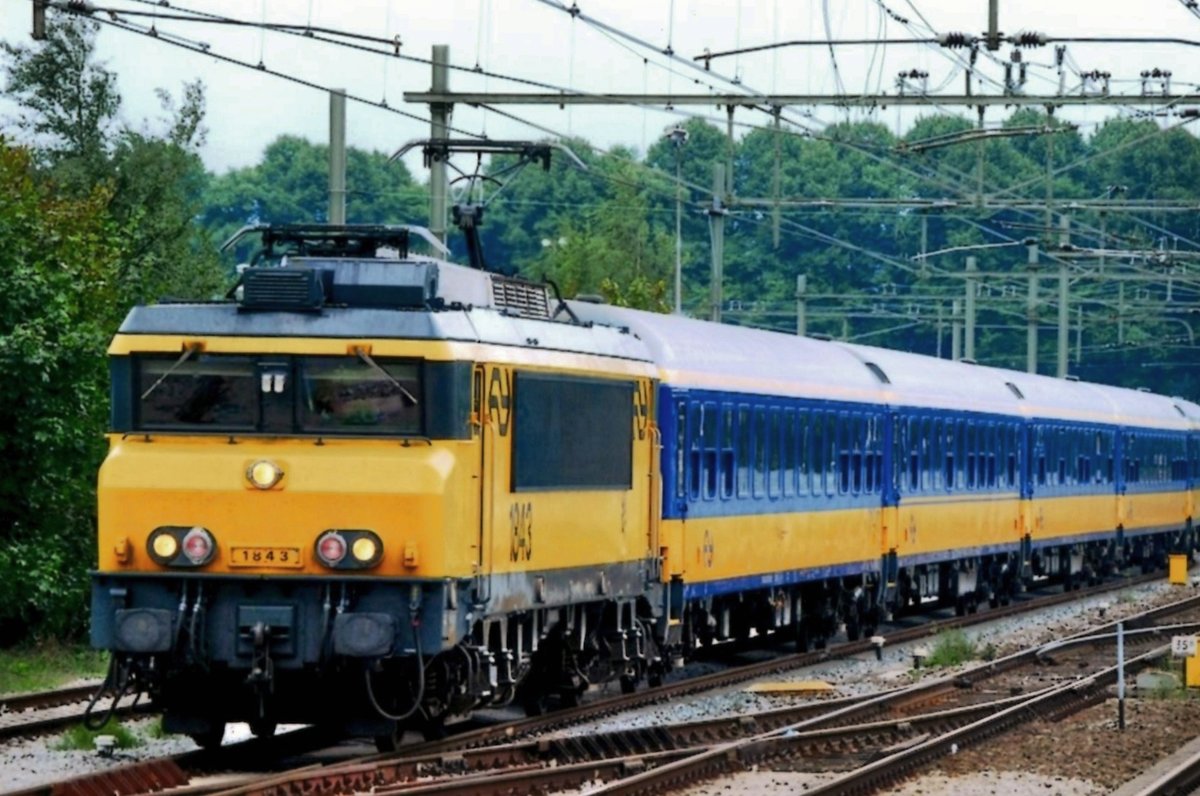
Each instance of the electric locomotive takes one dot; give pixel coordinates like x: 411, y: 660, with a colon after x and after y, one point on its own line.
x: 374, y: 490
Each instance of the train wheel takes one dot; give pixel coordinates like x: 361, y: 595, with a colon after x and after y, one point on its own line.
x: 568, y: 698
x: 628, y: 684
x: 262, y: 729
x: 434, y: 729
x: 800, y: 636
x: 210, y: 738
x: 535, y: 702
x: 390, y: 742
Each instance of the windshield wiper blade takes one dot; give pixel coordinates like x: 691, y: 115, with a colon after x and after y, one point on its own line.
x: 188, y: 350
x: 371, y: 363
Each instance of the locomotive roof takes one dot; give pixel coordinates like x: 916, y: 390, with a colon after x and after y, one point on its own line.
x: 465, y: 324
x: 692, y: 353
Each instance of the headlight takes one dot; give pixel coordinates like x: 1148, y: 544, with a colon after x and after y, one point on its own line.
x: 164, y: 546
x: 174, y: 546
x: 264, y: 474
x: 364, y: 549
x: 348, y: 549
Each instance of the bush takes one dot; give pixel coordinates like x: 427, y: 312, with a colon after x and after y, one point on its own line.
x: 81, y: 738
x: 950, y: 648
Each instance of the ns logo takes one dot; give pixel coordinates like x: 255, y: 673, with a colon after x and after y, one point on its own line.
x: 499, y: 400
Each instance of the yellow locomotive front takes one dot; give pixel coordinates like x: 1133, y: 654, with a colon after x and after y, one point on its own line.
x: 303, y: 515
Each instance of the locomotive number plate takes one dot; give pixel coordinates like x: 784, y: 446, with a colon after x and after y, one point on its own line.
x: 280, y: 557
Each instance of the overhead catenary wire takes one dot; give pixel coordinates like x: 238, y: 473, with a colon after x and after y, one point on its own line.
x: 699, y: 189
x: 207, y: 51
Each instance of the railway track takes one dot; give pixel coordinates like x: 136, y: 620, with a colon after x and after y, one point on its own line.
x: 666, y: 758
x: 50, y: 711
x: 484, y: 750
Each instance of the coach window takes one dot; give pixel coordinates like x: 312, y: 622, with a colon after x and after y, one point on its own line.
x: 969, y: 453
x: 1039, y: 454
x: 911, y: 434
x: 1179, y: 462
x: 992, y: 444
x: 774, y: 454
x: 1012, y: 435
x: 760, y: 451
x: 804, y: 453
x: 858, y: 443
x: 742, y: 454
x: 832, y: 425
x: 871, y: 457
x: 726, y: 444
x: 708, y: 433
x: 680, y: 449
x: 695, y: 464
x: 929, y: 446
x: 947, y: 459
x: 1063, y: 456
x: 788, y: 465
x: 819, y: 453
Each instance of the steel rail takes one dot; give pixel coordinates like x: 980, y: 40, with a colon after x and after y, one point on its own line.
x: 383, y: 770
x: 46, y: 711
x: 1183, y: 778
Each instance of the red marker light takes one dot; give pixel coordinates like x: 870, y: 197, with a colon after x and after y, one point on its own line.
x: 331, y: 548
x: 198, y: 546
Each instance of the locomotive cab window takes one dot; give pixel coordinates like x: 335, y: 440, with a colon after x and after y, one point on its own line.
x: 359, y: 395
x: 206, y: 393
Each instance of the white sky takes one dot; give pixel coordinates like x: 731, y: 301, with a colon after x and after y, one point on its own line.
x: 528, y: 39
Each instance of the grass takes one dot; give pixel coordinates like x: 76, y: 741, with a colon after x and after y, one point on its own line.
x: 154, y: 730
x: 950, y: 648
x: 48, y: 665
x: 80, y: 737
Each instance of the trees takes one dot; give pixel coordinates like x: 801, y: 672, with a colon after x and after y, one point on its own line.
x: 62, y: 260
x: 291, y: 185
x: 95, y: 216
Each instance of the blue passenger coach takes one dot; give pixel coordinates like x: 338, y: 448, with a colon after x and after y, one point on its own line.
x: 808, y: 483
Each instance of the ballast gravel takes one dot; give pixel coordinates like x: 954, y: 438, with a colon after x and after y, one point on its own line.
x: 863, y: 674
x: 28, y: 762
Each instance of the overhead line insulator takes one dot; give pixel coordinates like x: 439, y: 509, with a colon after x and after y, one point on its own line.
x: 956, y: 40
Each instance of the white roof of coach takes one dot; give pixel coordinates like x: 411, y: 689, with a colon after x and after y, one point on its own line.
x: 698, y: 354
x: 1191, y: 410
x: 692, y: 353
x: 923, y: 381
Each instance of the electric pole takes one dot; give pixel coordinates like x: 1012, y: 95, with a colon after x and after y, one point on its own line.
x: 439, y: 123
x: 337, y: 156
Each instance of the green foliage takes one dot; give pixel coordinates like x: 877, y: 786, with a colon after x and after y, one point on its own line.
x: 81, y: 738
x: 950, y: 648
x: 154, y: 730
x: 291, y: 185
x: 56, y: 315
x: 39, y: 667
x: 67, y: 101
x: 611, y: 249
x: 94, y: 217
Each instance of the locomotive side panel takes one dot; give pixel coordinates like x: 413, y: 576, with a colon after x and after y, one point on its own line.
x: 567, y: 483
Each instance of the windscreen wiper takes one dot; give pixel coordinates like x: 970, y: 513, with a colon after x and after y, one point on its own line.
x: 371, y: 363
x: 188, y: 350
